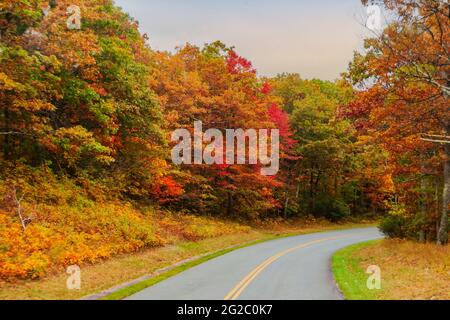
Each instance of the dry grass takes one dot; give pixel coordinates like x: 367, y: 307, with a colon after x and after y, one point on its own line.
x: 409, y: 270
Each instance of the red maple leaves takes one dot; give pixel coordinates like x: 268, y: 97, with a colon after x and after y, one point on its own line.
x: 237, y: 64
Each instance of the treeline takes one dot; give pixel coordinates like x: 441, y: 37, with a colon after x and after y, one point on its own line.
x: 98, y: 105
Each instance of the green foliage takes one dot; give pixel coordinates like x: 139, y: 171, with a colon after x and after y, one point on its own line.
x: 81, y: 101
x: 394, y: 226
x: 332, y: 208
x: 325, y: 181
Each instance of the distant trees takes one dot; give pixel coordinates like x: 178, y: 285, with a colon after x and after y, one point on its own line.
x: 327, y: 179
x: 217, y: 86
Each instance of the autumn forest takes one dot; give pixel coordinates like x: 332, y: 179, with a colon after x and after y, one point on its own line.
x: 86, y: 118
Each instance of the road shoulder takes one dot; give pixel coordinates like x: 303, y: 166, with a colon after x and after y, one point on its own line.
x: 409, y: 271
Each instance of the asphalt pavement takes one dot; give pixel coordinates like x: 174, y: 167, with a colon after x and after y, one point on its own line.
x: 294, y: 268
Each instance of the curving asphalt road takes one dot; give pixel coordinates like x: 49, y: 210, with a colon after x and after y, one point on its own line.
x: 295, y: 268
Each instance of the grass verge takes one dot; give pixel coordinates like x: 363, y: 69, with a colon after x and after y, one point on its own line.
x: 350, y: 275
x: 409, y: 270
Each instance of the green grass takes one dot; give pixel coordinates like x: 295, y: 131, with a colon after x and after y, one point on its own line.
x: 350, y: 276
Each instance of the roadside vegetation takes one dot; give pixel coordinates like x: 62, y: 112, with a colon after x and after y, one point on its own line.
x: 409, y: 271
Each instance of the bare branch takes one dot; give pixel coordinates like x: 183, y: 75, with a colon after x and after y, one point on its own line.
x: 18, y: 203
x: 436, y: 141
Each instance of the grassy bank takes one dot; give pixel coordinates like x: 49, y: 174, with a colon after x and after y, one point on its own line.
x: 409, y: 271
x: 122, y: 268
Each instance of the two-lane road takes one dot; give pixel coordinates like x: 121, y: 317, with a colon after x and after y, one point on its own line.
x: 295, y: 268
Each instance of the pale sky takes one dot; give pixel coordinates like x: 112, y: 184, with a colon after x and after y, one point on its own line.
x: 315, y: 38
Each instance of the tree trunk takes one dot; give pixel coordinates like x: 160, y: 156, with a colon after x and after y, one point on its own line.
x: 423, y: 207
x: 286, y: 194
x: 311, y: 193
x: 437, y: 205
x: 443, y: 228
x: 286, y: 204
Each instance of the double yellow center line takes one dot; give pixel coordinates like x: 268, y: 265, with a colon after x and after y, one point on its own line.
x: 244, y: 283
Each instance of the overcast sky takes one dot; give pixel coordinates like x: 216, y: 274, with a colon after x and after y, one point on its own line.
x: 315, y: 38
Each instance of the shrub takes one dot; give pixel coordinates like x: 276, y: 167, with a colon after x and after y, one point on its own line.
x: 394, y: 226
x: 332, y: 209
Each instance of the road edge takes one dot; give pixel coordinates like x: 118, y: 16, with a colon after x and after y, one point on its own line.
x: 351, y: 284
x: 129, y: 288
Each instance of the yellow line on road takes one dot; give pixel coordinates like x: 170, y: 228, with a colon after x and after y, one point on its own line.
x: 244, y: 283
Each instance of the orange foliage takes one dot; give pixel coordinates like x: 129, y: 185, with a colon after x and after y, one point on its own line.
x: 69, y: 227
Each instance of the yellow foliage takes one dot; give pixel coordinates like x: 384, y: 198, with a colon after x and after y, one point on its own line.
x: 69, y: 228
